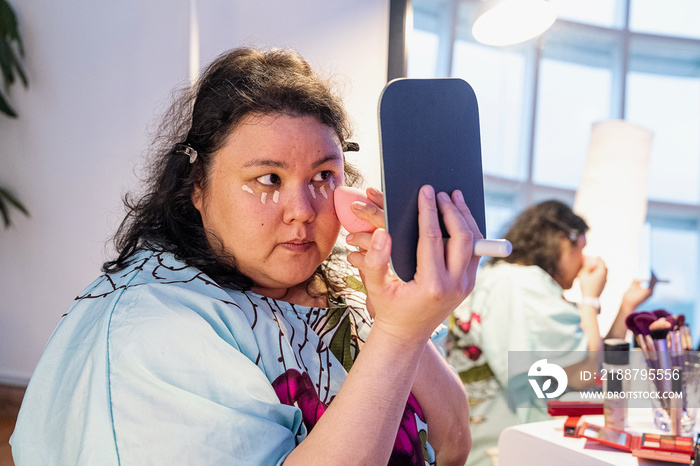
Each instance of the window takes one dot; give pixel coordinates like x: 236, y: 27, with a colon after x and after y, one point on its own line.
x: 637, y: 60
x: 680, y: 269
x: 670, y: 17
x: 500, y: 96
x: 597, y: 12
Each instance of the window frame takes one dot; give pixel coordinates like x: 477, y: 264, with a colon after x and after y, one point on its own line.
x: 526, y: 192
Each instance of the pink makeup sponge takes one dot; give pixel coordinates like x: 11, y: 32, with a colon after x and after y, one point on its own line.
x: 343, y: 197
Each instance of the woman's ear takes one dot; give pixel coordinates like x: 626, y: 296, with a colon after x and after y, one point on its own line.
x: 198, y: 197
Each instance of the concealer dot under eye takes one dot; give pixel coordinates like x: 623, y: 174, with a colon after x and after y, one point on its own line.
x: 327, y: 183
x: 276, y: 194
x: 263, y: 195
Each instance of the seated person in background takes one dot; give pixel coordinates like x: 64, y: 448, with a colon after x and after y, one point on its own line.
x: 225, y: 331
x: 517, y: 305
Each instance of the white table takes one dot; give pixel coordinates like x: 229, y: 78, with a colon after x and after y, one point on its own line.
x: 544, y: 444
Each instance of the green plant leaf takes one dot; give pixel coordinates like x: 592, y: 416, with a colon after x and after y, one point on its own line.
x: 8, y: 19
x: 6, y: 63
x: 5, y: 107
x: 4, y: 193
x: 10, y: 62
x: 9, y: 27
x: 21, y: 74
x: 11, y: 48
x: 7, y: 200
x: 5, y: 213
x: 10, y: 66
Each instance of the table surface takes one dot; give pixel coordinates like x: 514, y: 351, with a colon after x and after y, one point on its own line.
x: 543, y: 444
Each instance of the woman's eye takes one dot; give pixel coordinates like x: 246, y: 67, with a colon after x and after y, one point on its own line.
x: 268, y: 180
x: 325, y: 175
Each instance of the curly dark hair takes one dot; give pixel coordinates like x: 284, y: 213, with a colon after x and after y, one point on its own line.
x: 537, y: 232
x: 238, y: 83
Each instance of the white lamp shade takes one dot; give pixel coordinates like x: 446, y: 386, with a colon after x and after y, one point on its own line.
x: 612, y: 199
x: 508, y: 22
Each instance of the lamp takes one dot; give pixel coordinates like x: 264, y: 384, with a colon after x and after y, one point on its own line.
x: 612, y: 199
x: 507, y: 22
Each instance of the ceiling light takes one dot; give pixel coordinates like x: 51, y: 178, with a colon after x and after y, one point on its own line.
x: 507, y: 22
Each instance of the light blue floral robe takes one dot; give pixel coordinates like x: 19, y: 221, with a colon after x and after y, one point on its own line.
x: 157, y: 364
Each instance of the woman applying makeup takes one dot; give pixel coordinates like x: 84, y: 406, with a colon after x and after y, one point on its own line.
x: 517, y: 310
x: 225, y: 332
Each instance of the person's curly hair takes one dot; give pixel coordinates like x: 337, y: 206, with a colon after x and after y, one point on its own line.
x: 237, y: 84
x: 537, y: 232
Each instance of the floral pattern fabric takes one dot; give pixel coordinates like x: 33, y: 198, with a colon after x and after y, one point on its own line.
x: 157, y: 364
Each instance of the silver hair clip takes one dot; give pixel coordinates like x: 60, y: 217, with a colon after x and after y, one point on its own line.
x: 186, y: 150
x: 350, y: 146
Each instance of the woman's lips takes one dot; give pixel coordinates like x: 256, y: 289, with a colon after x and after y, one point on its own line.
x: 297, y: 246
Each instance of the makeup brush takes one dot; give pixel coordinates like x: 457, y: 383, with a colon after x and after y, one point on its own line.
x: 675, y: 340
x: 687, y: 340
x: 659, y: 331
x: 659, y: 313
x: 642, y: 320
x: 678, y: 403
x: 680, y: 320
x: 629, y: 322
x: 680, y: 349
x: 644, y: 316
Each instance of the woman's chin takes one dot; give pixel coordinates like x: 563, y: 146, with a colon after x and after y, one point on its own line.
x: 278, y: 288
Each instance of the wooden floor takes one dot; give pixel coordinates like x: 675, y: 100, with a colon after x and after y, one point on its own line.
x: 7, y: 425
x: 10, y: 400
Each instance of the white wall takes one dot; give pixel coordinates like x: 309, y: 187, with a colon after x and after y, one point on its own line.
x: 100, y: 72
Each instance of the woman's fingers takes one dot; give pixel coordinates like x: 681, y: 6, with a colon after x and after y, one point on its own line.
x: 459, y: 246
x: 375, y: 196
x: 442, y: 265
x: 458, y: 200
x: 374, y: 262
x: 371, y: 211
x: 430, y: 256
x: 361, y: 240
x: 412, y: 310
x: 473, y: 264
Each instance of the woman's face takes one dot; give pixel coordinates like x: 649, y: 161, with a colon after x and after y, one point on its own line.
x: 269, y: 198
x: 570, y: 261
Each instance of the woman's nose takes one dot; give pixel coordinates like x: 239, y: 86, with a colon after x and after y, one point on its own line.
x: 299, y: 204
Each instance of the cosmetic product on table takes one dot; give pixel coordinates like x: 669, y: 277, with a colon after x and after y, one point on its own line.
x: 616, y: 358
x: 574, y: 407
x: 673, y: 369
x: 671, y: 448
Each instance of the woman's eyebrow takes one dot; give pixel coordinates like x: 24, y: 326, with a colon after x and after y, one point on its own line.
x: 284, y: 165
x: 265, y: 163
x: 329, y: 158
